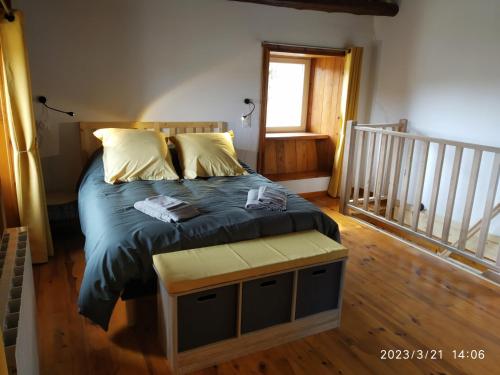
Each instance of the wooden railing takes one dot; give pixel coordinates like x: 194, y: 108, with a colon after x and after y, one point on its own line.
x: 383, y: 164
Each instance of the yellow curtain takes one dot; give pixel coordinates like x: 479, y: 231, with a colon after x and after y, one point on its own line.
x: 3, y: 220
x: 349, y: 111
x: 8, y: 184
x: 3, y: 361
x: 20, y: 121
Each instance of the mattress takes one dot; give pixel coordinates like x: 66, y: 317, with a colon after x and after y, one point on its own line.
x: 120, y: 241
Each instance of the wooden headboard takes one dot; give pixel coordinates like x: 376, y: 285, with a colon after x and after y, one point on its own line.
x: 89, y: 143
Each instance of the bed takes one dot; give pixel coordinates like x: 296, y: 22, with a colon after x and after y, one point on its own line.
x: 120, y: 241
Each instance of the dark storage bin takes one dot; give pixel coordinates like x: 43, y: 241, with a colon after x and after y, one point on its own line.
x: 266, y: 302
x: 207, y: 317
x: 318, y: 289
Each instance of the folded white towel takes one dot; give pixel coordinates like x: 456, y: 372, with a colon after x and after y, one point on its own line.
x: 167, y: 209
x: 146, y: 209
x: 253, y: 202
x: 265, y: 197
x: 164, y: 203
x: 272, y: 197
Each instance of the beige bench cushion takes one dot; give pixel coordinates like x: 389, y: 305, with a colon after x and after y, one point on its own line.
x: 183, y: 271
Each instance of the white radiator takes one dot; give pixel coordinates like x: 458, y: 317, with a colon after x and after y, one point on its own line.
x: 17, y: 303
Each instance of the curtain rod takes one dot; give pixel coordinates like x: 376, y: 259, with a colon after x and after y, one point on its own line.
x: 9, y: 15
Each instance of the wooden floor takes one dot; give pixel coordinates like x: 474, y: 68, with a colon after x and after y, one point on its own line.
x: 395, y: 298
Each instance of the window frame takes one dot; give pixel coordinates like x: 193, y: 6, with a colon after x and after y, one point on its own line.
x: 305, y: 93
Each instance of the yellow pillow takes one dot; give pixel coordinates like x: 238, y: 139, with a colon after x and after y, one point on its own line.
x: 132, y: 154
x: 207, y: 154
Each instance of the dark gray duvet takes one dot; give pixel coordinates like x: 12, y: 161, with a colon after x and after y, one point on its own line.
x: 120, y: 241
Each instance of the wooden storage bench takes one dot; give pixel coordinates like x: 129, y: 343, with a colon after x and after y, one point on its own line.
x: 221, y: 302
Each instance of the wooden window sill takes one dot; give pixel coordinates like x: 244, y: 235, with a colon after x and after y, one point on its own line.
x: 295, y: 136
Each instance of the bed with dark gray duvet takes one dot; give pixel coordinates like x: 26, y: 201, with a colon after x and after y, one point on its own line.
x: 120, y: 241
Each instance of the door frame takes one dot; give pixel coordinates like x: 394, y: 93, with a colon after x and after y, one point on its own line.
x: 267, y: 49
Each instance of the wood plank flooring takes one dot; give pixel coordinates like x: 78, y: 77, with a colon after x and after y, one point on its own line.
x: 395, y: 298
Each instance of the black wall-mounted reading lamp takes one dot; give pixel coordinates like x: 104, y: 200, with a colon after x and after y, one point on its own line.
x: 43, y: 101
x: 249, y: 102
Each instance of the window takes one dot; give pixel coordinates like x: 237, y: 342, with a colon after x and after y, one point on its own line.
x: 287, y: 93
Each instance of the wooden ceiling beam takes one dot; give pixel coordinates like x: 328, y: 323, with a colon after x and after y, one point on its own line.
x: 359, y: 7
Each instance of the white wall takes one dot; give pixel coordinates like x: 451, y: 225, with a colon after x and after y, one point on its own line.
x: 438, y: 64
x: 310, y: 185
x: 162, y: 60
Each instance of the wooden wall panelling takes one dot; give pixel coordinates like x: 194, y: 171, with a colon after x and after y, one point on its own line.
x: 306, y: 155
x: 324, y: 104
x: 270, y: 160
x: 290, y: 156
x: 315, y: 110
x: 301, y: 148
x: 315, y: 107
x: 280, y: 157
x: 312, y: 156
x: 326, y: 121
x: 324, y: 154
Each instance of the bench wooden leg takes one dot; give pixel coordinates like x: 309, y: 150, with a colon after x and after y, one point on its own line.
x: 167, y: 326
x: 162, y: 319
